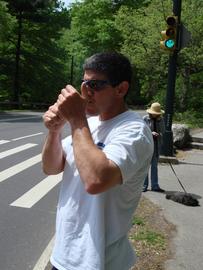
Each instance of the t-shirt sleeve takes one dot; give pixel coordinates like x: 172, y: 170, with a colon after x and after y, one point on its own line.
x: 131, y: 150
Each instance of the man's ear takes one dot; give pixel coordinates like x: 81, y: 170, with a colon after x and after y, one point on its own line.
x: 122, y: 89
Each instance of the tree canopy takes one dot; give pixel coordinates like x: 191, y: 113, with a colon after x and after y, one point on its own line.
x: 47, y: 44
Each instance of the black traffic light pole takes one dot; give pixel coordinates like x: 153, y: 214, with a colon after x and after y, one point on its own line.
x: 167, y: 148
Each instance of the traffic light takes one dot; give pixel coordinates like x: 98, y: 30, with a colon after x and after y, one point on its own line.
x: 169, y: 36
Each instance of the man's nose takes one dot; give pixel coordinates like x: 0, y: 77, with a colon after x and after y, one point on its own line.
x: 90, y: 91
x: 86, y: 90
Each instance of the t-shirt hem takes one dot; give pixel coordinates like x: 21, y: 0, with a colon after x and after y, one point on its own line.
x: 56, y: 265
x: 59, y: 267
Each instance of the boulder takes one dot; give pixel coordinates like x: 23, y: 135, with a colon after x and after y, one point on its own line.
x: 181, y: 135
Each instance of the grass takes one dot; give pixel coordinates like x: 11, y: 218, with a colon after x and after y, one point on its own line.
x: 138, y: 221
x: 150, y: 237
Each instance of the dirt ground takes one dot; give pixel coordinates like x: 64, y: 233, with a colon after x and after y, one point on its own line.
x: 151, y: 237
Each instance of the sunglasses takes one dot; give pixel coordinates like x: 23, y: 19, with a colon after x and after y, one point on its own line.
x: 96, y: 85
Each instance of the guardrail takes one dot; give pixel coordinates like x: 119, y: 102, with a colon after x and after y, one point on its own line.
x: 9, y: 105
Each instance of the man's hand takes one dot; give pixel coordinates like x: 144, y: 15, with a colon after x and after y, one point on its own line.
x: 53, y: 120
x: 71, y: 104
x: 155, y: 134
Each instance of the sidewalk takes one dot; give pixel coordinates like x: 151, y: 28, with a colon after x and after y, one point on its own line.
x: 188, y: 242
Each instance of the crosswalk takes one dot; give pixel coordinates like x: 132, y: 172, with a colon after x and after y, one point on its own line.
x: 39, y: 190
x: 36, y: 193
x: 16, y: 150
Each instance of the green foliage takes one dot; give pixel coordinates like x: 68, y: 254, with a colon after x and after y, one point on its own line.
x: 7, y: 22
x: 92, y: 30
x: 7, y: 26
x: 140, y: 30
x: 41, y: 59
x: 53, y: 37
x: 193, y: 118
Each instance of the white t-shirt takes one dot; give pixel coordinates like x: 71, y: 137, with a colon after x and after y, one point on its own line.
x: 91, y: 230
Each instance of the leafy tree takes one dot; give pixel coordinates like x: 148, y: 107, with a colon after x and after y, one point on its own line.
x: 55, y: 42
x: 92, y: 30
x: 190, y: 66
x: 7, y: 23
x: 36, y: 58
x: 140, y: 30
x: 19, y: 8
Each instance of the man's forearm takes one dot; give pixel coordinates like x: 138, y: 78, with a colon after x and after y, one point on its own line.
x: 96, y: 171
x: 53, y: 160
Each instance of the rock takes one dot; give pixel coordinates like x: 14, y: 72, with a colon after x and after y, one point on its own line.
x: 181, y: 135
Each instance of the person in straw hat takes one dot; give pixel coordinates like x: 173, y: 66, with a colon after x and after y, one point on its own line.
x: 155, y: 122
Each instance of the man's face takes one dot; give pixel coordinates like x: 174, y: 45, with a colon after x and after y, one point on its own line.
x: 99, y: 94
x: 155, y: 115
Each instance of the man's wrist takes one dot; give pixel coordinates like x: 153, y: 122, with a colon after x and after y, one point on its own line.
x: 54, y: 133
x: 78, y: 122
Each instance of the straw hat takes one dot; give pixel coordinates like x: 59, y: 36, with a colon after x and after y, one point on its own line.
x: 155, y: 109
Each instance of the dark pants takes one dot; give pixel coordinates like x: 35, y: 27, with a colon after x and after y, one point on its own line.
x: 53, y: 268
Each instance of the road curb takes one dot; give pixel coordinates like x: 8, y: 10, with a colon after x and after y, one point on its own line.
x: 167, y: 159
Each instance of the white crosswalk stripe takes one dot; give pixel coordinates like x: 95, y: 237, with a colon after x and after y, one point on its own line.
x: 28, y: 136
x: 35, y: 193
x: 31, y: 197
x: 4, y: 141
x: 19, y: 167
x: 16, y: 150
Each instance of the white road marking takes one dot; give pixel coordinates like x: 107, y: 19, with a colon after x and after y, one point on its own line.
x: 35, y: 194
x: 4, y: 141
x: 19, y: 167
x: 28, y: 136
x: 16, y: 150
x: 44, y: 258
x: 19, y: 118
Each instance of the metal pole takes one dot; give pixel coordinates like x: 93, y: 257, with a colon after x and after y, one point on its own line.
x: 167, y: 148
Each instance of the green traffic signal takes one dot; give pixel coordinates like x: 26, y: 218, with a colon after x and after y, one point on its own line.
x: 168, y: 40
x: 170, y: 43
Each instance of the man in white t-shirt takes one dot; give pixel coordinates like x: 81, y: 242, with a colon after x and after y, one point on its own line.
x: 104, y: 162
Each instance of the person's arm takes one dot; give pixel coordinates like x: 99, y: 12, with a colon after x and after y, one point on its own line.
x: 97, y: 172
x: 53, y: 159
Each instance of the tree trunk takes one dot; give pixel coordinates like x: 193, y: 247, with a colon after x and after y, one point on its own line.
x: 17, y: 62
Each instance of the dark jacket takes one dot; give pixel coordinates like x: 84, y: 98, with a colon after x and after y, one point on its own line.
x: 160, y: 128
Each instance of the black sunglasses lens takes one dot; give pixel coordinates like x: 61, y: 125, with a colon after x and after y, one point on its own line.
x: 95, y: 84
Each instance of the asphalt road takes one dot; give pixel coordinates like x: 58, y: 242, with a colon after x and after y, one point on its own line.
x: 27, y: 197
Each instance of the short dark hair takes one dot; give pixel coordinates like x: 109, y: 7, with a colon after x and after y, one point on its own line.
x: 115, y: 66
